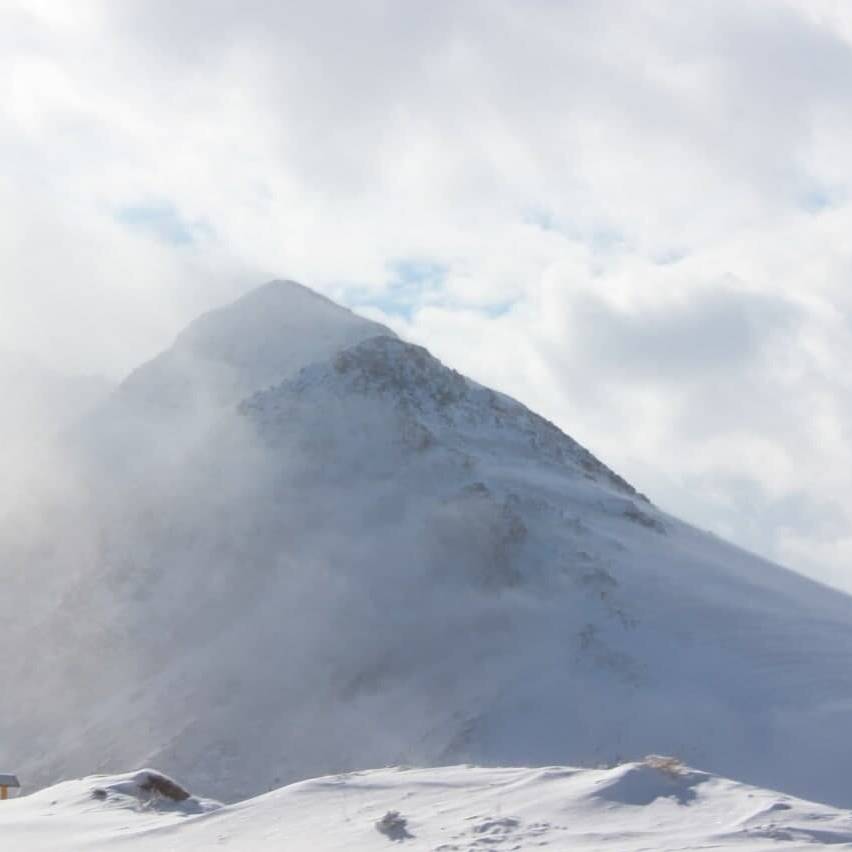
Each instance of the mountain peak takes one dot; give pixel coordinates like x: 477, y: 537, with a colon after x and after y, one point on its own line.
x: 280, y: 314
x: 259, y: 340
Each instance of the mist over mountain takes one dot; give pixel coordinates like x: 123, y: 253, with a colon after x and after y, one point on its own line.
x: 294, y: 544
x: 39, y: 401
x: 38, y: 405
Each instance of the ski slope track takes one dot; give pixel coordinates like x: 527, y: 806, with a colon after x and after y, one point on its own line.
x: 295, y: 545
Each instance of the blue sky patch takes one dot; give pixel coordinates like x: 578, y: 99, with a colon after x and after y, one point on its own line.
x: 411, y: 283
x: 163, y: 221
x: 541, y: 218
x: 816, y: 199
x: 414, y: 283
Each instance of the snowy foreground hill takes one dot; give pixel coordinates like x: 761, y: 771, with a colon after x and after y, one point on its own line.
x: 294, y: 545
x: 452, y: 809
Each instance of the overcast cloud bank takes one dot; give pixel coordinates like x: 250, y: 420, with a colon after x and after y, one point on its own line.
x: 633, y: 217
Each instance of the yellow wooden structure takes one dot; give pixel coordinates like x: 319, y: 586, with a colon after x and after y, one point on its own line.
x: 7, y: 782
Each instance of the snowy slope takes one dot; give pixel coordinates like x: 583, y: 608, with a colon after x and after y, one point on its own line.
x: 633, y: 806
x: 375, y: 561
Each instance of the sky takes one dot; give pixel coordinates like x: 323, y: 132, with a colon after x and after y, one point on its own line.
x: 632, y: 216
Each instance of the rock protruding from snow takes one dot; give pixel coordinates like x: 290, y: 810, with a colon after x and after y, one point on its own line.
x: 147, y: 785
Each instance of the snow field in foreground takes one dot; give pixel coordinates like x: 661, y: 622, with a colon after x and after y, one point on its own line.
x: 652, y: 804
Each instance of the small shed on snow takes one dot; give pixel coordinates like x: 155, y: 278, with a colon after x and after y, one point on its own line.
x: 7, y: 781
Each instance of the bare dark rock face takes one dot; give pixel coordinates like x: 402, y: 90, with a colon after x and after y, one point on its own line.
x: 394, y: 827
x: 162, y: 785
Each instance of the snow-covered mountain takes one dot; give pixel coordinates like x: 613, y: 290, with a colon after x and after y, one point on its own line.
x: 642, y: 805
x: 298, y: 545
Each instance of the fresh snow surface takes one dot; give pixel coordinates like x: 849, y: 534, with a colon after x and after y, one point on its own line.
x: 636, y: 806
x: 358, y: 557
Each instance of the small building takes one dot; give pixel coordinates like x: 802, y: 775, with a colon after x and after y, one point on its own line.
x: 7, y: 782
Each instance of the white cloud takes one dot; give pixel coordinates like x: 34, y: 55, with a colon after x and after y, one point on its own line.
x: 636, y: 214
